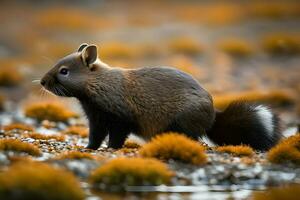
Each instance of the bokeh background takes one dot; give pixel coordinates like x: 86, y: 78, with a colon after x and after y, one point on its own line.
x: 236, y: 49
x: 229, y: 46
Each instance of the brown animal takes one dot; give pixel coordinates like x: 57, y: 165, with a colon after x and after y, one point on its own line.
x: 152, y: 100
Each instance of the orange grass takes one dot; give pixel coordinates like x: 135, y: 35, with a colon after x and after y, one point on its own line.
x: 116, y: 50
x: 287, y: 150
x: 52, y: 111
x: 175, y: 146
x: 131, y: 144
x: 19, y: 146
x: 277, y: 97
x: 18, y: 126
x: 185, y: 45
x: 132, y: 171
x: 2, y: 101
x: 74, y: 155
x: 10, y: 76
x: 236, y: 47
x: 39, y: 136
x: 281, y: 43
x: 82, y: 131
x: 238, y: 150
x: 290, y: 192
x: 30, y: 180
x: 70, y: 19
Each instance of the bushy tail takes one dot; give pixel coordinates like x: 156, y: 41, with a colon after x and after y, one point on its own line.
x: 245, y: 123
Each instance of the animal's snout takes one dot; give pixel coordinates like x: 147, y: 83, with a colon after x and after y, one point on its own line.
x: 43, y: 82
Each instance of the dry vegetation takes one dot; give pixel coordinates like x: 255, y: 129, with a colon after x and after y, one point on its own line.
x: 75, y: 155
x: 116, y: 50
x: 82, y: 131
x: 10, y: 76
x: 239, y: 150
x: 19, y: 146
x: 2, y: 101
x: 185, y: 45
x: 18, y: 126
x: 236, y: 47
x: 286, y: 151
x: 281, y: 44
x: 38, y: 181
x: 51, y: 111
x: 39, y: 136
x: 274, y: 97
x: 175, y: 146
x: 131, y: 172
x: 131, y: 144
x: 290, y: 192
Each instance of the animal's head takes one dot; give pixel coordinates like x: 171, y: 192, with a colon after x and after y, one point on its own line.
x: 69, y: 75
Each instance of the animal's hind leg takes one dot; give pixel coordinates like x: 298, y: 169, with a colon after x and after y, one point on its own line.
x: 193, y: 124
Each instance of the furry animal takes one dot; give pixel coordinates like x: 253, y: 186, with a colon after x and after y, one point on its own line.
x: 152, y: 100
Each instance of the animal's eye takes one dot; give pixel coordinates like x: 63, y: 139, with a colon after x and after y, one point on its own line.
x: 64, y: 71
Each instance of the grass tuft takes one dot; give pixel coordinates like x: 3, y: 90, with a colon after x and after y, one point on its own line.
x: 51, y: 111
x: 275, y: 97
x: 82, y: 131
x: 290, y: 192
x: 18, y: 126
x: 281, y: 44
x: 236, y: 48
x: 185, y: 45
x: 175, y: 146
x: 75, y: 155
x: 132, y: 172
x: 10, y: 76
x: 39, y: 136
x: 239, y: 150
x: 32, y: 180
x: 287, y: 150
x: 19, y: 146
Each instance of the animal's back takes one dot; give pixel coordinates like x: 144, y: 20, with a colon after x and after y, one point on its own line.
x: 160, y: 95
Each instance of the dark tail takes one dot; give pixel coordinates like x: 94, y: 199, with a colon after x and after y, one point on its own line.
x: 245, y: 123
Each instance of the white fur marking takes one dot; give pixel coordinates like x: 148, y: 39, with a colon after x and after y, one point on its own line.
x: 266, y: 117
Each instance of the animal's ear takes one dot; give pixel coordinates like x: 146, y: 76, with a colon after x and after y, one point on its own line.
x: 82, y: 46
x: 89, y: 54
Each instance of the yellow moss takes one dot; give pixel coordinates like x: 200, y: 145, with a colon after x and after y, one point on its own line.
x: 287, y: 150
x: 31, y: 180
x: 186, y: 65
x: 39, y: 136
x: 75, y: 155
x: 19, y: 146
x: 186, y: 46
x: 290, y: 192
x: 239, y: 150
x: 175, y: 146
x: 77, y: 130
x: 132, y: 171
x: 18, y: 126
x: 10, y: 76
x: 276, y: 44
x: 70, y: 19
x: 272, y: 97
x: 52, y: 111
x: 274, y: 9
x: 131, y: 144
x: 2, y: 100
x: 116, y: 50
x: 236, y: 47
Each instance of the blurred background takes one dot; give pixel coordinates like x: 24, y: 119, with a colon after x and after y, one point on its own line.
x: 236, y: 49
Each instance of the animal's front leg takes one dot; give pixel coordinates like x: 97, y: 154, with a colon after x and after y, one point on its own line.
x: 97, y: 134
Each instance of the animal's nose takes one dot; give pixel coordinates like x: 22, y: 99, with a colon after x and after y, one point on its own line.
x: 43, y: 82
